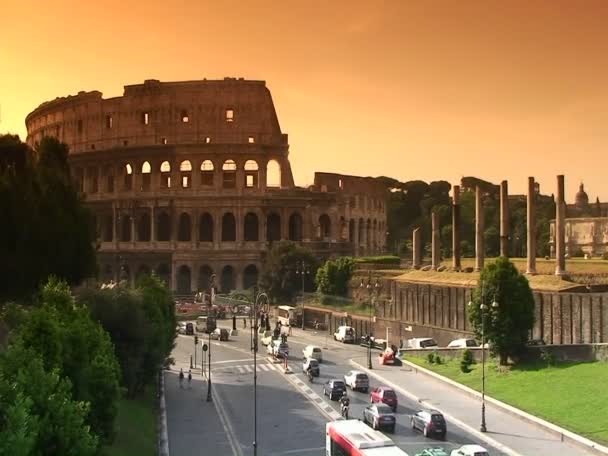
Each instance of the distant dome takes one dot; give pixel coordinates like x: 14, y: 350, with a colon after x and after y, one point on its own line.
x: 581, y: 198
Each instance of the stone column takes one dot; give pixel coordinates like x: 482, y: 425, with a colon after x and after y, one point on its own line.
x: 456, y: 229
x: 560, y: 234
x: 504, y: 218
x: 531, y: 217
x: 435, y: 242
x: 479, y: 247
x: 416, y: 247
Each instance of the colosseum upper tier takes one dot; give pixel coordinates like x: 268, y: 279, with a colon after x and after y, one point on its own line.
x: 192, y: 178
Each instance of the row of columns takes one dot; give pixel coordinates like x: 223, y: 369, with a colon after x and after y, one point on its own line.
x: 560, y: 215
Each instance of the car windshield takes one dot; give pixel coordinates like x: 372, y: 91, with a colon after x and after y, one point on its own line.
x: 471, y: 343
x: 313, y: 362
x: 361, y: 376
x: 437, y: 419
x: 481, y: 453
x: 316, y: 350
x: 428, y: 343
x: 384, y: 409
x: 339, y: 384
x: 349, y: 331
x: 389, y: 393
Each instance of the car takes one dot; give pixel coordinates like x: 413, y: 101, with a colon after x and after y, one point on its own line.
x: 535, y: 342
x: 463, y: 343
x: 379, y: 416
x: 219, y: 334
x: 470, y: 450
x: 313, y: 351
x: 421, y: 342
x: 181, y: 328
x: 430, y: 422
x: 278, y: 348
x: 357, y: 380
x: 376, y: 343
x: 385, y: 395
x: 189, y: 329
x: 334, y: 389
x: 345, y: 334
x: 313, y: 364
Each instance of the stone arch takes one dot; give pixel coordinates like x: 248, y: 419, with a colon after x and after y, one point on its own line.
x: 250, y: 276
x: 273, y: 174
x: 185, y: 170
x: 351, y: 230
x: 183, y: 280
x: 343, y: 229
x: 228, y: 227
x: 165, y: 174
x: 184, y: 232
x: 207, y: 172
x: 295, y: 227
x: 128, y: 176
x: 163, y: 227
x: 251, y: 227
x: 143, y: 228
x: 143, y: 270
x: 204, y: 277
x: 273, y: 227
x: 227, y: 282
x: 325, y: 226
x: 251, y: 174
x: 205, y: 229
x: 125, y: 228
x: 229, y: 174
x: 93, y: 179
x: 163, y: 271
x: 107, y: 174
x: 146, y: 176
x: 107, y: 232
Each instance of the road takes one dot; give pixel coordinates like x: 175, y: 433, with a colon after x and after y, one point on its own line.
x: 291, y: 412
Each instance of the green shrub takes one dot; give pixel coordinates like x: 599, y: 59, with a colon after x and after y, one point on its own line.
x: 547, y: 356
x: 438, y: 359
x: 466, y: 361
x: 431, y: 358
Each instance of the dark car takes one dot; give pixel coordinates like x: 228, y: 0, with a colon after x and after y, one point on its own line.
x: 379, y: 416
x: 220, y: 334
x: 385, y: 395
x: 189, y: 329
x: 430, y: 422
x: 312, y: 364
x: 334, y: 389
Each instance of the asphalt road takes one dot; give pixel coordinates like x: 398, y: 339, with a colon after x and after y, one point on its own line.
x: 291, y: 412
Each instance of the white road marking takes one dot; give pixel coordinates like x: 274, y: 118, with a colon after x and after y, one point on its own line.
x: 233, y: 361
x: 241, y: 369
x: 248, y: 369
x: 228, y: 429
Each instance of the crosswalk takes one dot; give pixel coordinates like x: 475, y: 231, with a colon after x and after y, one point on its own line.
x: 242, y: 369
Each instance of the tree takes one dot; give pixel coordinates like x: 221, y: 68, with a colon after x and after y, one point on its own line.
x: 334, y: 276
x: 508, y: 324
x: 279, y: 278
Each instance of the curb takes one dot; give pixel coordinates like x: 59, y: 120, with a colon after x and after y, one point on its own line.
x: 163, y: 435
x: 554, y: 429
x: 480, y: 435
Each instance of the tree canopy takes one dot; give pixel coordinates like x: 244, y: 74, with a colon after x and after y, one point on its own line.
x: 334, y: 276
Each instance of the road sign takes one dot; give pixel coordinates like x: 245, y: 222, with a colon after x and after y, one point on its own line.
x: 205, y: 347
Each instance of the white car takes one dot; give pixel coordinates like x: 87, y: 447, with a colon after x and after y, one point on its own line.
x: 421, y: 342
x: 470, y: 450
x: 463, y: 343
x: 357, y: 380
x: 312, y: 351
x: 278, y: 348
x: 345, y: 334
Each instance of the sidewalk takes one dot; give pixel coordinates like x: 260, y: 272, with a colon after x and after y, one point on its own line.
x: 504, y: 430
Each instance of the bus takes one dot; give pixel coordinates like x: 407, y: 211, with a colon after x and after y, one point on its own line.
x: 206, y: 324
x: 355, y: 438
x: 286, y: 315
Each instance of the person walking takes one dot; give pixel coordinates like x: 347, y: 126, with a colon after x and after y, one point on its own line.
x: 245, y: 323
x: 181, y: 378
x: 189, y: 379
x: 289, y: 332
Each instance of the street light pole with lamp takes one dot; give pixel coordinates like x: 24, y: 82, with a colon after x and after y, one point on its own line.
x: 254, y: 328
x: 483, y: 307
x: 303, y: 270
x: 372, y: 292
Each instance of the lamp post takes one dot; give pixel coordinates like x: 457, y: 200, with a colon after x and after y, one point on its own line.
x: 255, y: 370
x: 303, y: 271
x: 372, y: 291
x: 483, y: 308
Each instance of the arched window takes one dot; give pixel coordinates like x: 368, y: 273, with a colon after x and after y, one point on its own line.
x: 227, y: 280
x: 207, y: 173
x: 143, y: 228
x: 185, y: 227
x: 228, y: 228
x: 125, y: 228
x: 325, y: 226
x: 343, y: 229
x: 205, y: 233
x: 251, y: 227
x: 250, y: 276
x: 183, y: 280
x: 273, y: 174
x: 146, y: 176
x: 361, y: 227
x: 204, y: 277
x: 128, y: 182
x: 295, y: 227
x: 165, y: 175
x: 229, y: 174
x: 163, y: 228
x: 108, y: 174
x: 251, y: 174
x: 93, y: 178
x: 273, y: 227
x: 351, y: 230
x: 185, y: 169
x: 163, y: 271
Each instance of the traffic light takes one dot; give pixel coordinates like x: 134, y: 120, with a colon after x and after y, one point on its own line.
x: 195, y: 339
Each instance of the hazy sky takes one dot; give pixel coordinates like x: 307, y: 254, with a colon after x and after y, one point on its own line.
x: 413, y: 90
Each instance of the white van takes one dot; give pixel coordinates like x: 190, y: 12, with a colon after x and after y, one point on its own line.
x: 345, y: 334
x: 421, y: 342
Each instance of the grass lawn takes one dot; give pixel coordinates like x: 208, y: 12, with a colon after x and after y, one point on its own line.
x: 571, y: 395
x: 136, y: 427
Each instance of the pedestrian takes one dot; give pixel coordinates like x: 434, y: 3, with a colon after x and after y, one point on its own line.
x: 289, y: 332
x: 181, y: 378
x: 189, y: 379
x: 244, y: 322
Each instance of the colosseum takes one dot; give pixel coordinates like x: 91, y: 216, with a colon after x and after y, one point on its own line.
x: 190, y: 179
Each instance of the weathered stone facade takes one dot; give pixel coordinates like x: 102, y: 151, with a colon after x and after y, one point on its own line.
x: 586, y: 234
x: 193, y: 178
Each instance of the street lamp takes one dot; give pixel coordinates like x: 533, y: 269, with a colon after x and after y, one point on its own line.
x: 302, y: 269
x: 372, y: 291
x: 255, y: 370
x: 483, y: 307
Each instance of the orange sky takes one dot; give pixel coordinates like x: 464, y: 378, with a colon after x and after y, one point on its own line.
x: 413, y: 90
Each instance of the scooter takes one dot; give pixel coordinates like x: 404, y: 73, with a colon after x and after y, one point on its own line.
x: 310, y: 376
x: 344, y: 411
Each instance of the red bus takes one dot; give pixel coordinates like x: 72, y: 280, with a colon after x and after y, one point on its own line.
x: 355, y: 438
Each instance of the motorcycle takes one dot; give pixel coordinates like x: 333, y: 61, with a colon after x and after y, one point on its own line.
x: 344, y: 411
x: 310, y: 376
